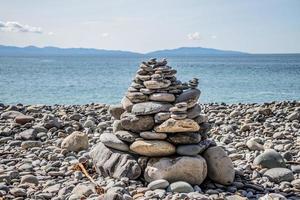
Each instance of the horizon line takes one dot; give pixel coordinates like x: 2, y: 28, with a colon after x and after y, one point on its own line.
x: 148, y: 52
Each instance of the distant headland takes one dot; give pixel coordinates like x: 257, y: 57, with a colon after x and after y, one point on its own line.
x: 182, y: 51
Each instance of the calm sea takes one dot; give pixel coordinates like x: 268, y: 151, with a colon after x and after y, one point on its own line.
x: 86, y: 79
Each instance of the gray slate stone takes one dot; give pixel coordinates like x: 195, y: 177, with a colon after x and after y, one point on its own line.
x: 113, y: 163
x: 29, y: 134
x: 137, y: 123
x: 188, y: 150
x: 189, y: 96
x: 148, y: 108
x: 111, y: 140
x: 279, y: 174
x: 185, y: 138
x: 269, y: 159
x: 10, y: 114
x: 126, y: 136
x: 194, y: 111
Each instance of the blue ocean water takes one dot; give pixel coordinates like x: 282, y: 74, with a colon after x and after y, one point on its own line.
x: 86, y: 79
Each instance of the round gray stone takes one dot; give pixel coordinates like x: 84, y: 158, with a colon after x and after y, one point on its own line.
x: 188, y: 150
x: 269, y: 159
x: 180, y: 187
x: 158, y: 184
x: 278, y: 175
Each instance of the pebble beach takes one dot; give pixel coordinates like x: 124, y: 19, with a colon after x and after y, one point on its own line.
x: 262, y: 140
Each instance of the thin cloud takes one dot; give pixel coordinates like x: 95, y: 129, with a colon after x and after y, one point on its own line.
x: 17, y: 27
x: 213, y: 37
x: 194, y: 36
x: 104, y: 35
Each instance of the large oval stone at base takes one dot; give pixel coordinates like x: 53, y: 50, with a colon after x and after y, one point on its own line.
x: 220, y: 167
x: 184, y: 168
x: 113, y: 163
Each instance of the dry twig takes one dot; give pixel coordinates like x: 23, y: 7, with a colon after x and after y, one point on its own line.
x: 80, y: 167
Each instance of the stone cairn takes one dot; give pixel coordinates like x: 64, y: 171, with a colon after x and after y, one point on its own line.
x: 159, y: 133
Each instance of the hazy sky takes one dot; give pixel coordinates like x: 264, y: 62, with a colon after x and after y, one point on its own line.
x: 258, y: 26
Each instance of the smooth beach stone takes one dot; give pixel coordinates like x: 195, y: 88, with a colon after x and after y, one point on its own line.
x: 137, y: 85
x: 161, y: 117
x: 152, y: 148
x: 112, y: 141
x: 278, y: 175
x: 188, y: 150
x: 202, y: 118
x: 178, y: 116
x: 237, y: 197
x: 18, y: 192
x: 162, y: 97
x: 82, y: 190
x: 117, y: 126
x: 146, y: 91
x: 23, y: 119
x: 194, y: 111
x: 127, y: 104
x: 132, y: 89
x: 116, y: 110
x: 190, y: 96
x: 146, y: 67
x: 184, y: 138
x: 29, y: 134
x: 157, y: 84
x: 148, y: 108
x: 11, y: 114
x: 148, y: 135
x: 273, y: 196
x: 29, y: 179
x: 220, y: 167
x: 126, y: 136
x: 30, y: 144
x: 182, y: 168
x: 158, y: 184
x: 142, y: 72
x: 113, y: 163
x: 76, y: 141
x: 269, y: 159
x: 136, y: 97
x: 296, y: 183
x: 175, y: 126
x: 253, y: 145
x: 294, y: 116
x: 137, y: 123
x: 143, y: 77
x: 180, y: 187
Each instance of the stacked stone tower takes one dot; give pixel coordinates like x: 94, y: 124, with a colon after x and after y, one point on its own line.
x: 160, y: 133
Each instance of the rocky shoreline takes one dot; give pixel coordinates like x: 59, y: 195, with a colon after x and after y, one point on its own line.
x: 33, y: 164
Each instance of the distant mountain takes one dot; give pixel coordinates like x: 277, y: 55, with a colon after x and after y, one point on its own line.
x: 183, y: 51
x: 32, y: 50
x: 193, y: 51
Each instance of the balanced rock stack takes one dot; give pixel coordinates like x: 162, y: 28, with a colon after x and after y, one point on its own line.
x: 159, y: 133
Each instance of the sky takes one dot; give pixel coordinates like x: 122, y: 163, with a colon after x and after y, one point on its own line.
x: 255, y: 26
